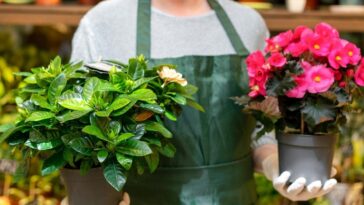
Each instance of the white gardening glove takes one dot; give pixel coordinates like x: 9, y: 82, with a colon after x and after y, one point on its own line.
x: 297, y: 191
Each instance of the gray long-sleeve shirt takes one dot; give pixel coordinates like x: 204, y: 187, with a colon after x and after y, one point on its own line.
x: 108, y: 31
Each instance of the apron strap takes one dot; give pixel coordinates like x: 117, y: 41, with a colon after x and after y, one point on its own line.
x: 143, y: 40
x: 144, y: 28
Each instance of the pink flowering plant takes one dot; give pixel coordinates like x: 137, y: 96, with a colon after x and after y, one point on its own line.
x: 305, y: 82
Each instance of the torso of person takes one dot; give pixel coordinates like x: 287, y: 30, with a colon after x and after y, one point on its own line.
x: 213, y: 164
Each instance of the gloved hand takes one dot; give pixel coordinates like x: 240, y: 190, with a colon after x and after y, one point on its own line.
x: 298, y: 190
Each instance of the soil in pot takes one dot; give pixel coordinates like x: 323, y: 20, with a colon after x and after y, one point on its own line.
x: 91, y: 189
x: 308, y: 156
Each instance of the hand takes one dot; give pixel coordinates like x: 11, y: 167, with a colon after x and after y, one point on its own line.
x: 298, y: 190
x: 125, y: 200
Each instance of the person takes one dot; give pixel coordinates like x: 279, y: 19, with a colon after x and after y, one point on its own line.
x: 208, y: 40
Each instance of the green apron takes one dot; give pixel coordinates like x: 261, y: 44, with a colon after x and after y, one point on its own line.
x: 213, y: 164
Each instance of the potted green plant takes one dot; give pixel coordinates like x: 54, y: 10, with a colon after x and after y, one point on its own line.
x: 103, y: 124
x: 303, y: 88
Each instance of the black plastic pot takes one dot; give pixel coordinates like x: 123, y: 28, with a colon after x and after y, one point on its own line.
x: 91, y: 189
x: 308, y: 156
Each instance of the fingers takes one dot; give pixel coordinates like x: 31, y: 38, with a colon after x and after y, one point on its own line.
x: 314, y: 187
x: 296, y: 187
x: 280, y: 182
x: 298, y: 191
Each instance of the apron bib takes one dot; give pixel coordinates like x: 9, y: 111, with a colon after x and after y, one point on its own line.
x: 213, y: 163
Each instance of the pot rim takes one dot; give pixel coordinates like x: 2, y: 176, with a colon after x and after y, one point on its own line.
x: 306, y: 140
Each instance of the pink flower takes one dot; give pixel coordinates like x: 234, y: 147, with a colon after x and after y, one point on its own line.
x: 359, y: 74
x: 277, y: 60
x: 300, y: 90
x: 353, y: 53
x: 283, y: 39
x: 306, y: 36
x: 338, y: 58
x: 298, y: 32
x: 259, y: 75
x: 255, y: 60
x: 319, y: 45
x: 271, y: 46
x: 306, y: 66
x: 296, y: 49
x: 257, y: 89
x: 319, y: 79
x: 327, y: 31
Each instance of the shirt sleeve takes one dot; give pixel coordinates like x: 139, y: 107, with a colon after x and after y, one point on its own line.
x: 84, y: 46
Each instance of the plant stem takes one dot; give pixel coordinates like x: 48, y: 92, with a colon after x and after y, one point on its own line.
x: 302, y: 124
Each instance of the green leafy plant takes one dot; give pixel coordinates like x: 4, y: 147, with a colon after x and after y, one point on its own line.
x: 82, y: 118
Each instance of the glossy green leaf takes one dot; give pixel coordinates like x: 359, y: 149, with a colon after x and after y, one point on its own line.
x: 124, y: 137
x: 39, y: 115
x: 53, y: 163
x: 124, y: 109
x: 86, y: 165
x: 139, y: 131
x: 41, y: 101
x: 152, y: 161
x: 124, y: 161
x: 106, y: 86
x: 45, y: 145
x: 157, y: 127
x: 68, y: 156
x: 142, y: 81
x: 153, y: 107
x: 74, y: 101
x: 95, y: 131
x: 195, y: 105
x: 117, y: 104
x: 81, y: 145
x: 178, y: 99
x: 145, y: 95
x: 134, y: 148
x: 170, y: 116
x: 113, y: 173
x: 89, y: 88
x: 70, y: 136
x: 23, y: 74
x: 154, y: 141
x: 55, y: 66
x: 102, y: 155
x: 114, y: 128
x: 168, y: 150
x: 72, y: 115
x: 56, y: 87
x: 137, y: 67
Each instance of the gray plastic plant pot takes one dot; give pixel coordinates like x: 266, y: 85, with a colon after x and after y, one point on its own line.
x: 308, y: 156
x: 91, y: 189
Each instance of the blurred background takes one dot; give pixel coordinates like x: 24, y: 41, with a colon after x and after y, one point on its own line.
x: 34, y: 31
